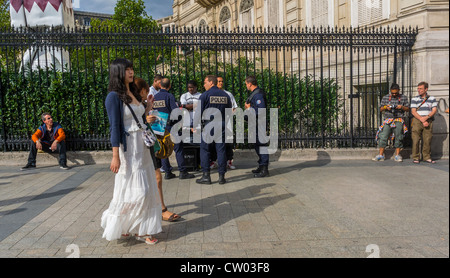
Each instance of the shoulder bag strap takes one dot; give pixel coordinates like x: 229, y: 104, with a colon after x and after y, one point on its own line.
x: 423, y: 102
x: 134, y: 116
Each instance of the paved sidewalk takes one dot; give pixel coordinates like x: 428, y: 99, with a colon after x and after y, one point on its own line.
x: 317, y: 208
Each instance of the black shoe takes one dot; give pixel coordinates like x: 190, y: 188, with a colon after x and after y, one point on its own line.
x: 169, y: 175
x: 264, y: 172
x: 206, y: 179
x: 257, y: 170
x: 28, y: 166
x: 186, y: 175
x: 64, y: 167
x: 222, y: 179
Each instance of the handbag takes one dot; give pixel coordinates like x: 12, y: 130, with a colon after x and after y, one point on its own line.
x: 147, y: 134
x: 166, y: 146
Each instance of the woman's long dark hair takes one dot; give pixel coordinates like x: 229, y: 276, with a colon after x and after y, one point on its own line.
x: 117, y: 80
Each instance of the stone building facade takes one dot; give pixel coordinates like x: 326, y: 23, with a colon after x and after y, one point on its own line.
x: 431, y: 17
x: 83, y: 19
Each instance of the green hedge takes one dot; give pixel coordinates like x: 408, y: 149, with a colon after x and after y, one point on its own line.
x: 75, y: 98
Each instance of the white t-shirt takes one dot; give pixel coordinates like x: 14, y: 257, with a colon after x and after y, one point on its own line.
x: 152, y: 91
x: 233, y: 100
x: 234, y: 106
x: 188, y: 98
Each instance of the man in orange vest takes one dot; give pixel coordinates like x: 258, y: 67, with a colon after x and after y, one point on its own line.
x: 49, y: 137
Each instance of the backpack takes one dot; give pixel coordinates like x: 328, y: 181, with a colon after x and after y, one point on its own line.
x: 166, y: 146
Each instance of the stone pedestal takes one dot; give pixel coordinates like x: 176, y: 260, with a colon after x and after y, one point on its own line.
x: 431, y: 63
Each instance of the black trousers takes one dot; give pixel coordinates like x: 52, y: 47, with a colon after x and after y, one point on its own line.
x: 228, y: 150
x: 205, y: 155
x: 61, y: 149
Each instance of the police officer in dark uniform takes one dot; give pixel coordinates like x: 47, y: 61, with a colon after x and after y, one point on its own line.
x: 219, y: 100
x: 165, y: 102
x: 257, y: 100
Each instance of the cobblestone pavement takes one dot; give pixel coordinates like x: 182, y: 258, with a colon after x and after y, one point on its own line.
x: 304, y: 209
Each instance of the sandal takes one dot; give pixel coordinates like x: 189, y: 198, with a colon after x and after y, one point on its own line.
x: 171, y: 218
x: 416, y: 161
x: 430, y: 161
x: 150, y: 240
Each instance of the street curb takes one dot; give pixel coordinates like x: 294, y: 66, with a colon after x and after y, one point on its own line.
x: 104, y: 157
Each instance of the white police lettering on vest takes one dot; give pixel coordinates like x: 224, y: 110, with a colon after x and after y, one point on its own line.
x: 159, y: 104
x: 218, y: 100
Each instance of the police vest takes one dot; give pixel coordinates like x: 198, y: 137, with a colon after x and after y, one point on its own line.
x: 164, y: 102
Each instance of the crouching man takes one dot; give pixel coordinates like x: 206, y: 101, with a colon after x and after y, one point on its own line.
x: 49, y: 137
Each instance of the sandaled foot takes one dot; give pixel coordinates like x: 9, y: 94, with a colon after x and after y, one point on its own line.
x: 430, y: 161
x: 169, y: 216
x: 150, y: 240
x: 416, y: 161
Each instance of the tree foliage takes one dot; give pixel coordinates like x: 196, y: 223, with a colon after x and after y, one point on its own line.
x: 5, y: 19
x: 75, y: 96
x: 128, y: 14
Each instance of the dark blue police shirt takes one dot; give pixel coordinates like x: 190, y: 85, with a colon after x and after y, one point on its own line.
x: 257, y: 100
x: 164, y: 102
x: 215, y: 98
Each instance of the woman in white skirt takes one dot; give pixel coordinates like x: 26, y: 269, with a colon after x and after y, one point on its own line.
x: 135, y: 208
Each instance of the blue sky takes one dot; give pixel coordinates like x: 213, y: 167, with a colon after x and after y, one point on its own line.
x: 155, y: 8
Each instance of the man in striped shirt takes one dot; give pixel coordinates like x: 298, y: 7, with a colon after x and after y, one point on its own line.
x: 423, y: 108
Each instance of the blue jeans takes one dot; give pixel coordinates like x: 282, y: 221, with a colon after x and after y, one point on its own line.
x: 61, y: 149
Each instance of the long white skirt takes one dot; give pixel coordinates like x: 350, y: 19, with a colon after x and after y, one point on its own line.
x: 136, y: 206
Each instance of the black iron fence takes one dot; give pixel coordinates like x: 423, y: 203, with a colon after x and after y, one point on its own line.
x: 327, y: 83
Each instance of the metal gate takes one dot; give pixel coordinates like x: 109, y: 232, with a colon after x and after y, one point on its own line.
x: 327, y: 83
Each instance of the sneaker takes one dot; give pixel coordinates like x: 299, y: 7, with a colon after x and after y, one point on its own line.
x: 230, y: 165
x: 28, y: 166
x: 378, y: 158
x: 213, y: 165
x: 64, y: 167
x: 398, y: 158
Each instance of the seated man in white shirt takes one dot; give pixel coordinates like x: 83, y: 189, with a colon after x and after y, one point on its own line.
x: 229, y: 146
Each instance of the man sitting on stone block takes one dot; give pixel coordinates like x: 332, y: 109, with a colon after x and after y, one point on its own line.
x: 49, y: 137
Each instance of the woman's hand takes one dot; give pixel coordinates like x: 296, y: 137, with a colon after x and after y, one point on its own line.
x: 115, y: 165
x: 151, y: 119
x: 115, y: 162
